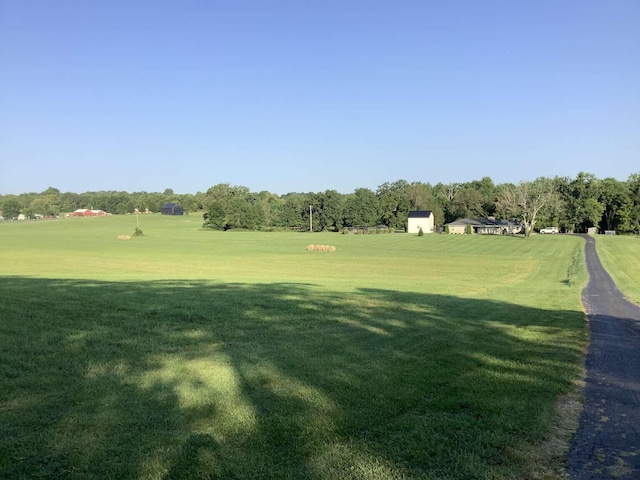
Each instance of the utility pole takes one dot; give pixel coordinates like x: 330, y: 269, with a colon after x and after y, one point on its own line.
x: 310, y: 219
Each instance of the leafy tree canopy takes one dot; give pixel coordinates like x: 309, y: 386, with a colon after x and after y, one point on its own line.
x: 573, y: 204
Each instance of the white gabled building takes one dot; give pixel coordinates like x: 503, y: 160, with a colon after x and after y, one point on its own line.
x: 420, y: 219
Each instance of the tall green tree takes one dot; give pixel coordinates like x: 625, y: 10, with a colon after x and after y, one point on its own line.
x: 444, y: 194
x: 214, y: 217
x: 189, y: 202
x: 328, y: 209
x: 418, y: 194
x: 270, y: 204
x: 633, y: 183
x: 244, y: 211
x: 615, y: 197
x: 466, y: 203
x: 393, y: 204
x: 70, y: 201
x: 488, y: 192
x: 294, y: 213
x: 581, y: 197
x: 49, y: 201
x: 240, y: 208
x: 11, y: 208
x: 361, y: 208
x: 223, y: 193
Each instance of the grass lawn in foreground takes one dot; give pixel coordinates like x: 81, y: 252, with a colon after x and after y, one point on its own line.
x: 620, y: 256
x: 191, y: 354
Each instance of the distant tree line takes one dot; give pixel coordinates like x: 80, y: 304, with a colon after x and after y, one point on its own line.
x: 572, y: 204
x: 52, y: 202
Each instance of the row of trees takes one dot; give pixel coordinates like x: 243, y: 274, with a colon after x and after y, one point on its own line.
x: 52, y: 202
x: 572, y: 204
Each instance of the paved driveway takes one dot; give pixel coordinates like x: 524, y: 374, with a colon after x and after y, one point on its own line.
x: 607, y: 443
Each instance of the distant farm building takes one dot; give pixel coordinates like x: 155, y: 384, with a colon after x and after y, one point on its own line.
x: 85, y: 212
x: 420, y: 219
x: 172, y: 209
x: 484, y: 226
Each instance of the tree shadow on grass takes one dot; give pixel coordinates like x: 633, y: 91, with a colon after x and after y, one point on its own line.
x: 188, y: 379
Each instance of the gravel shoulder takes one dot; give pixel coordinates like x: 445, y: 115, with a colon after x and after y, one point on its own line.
x: 607, y: 443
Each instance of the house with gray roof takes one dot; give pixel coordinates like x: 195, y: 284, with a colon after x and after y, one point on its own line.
x: 485, y: 226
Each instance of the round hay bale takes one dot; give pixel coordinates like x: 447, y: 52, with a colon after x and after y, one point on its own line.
x: 325, y: 248
x: 310, y: 247
x: 332, y: 248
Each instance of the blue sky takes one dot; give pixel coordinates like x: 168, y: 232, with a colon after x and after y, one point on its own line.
x: 311, y: 95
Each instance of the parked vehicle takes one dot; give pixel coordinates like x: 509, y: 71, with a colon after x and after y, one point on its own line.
x: 551, y: 230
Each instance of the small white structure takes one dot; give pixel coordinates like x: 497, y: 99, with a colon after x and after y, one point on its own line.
x: 420, y: 219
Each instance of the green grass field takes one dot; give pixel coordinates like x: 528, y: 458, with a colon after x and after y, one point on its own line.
x: 187, y: 354
x: 620, y: 255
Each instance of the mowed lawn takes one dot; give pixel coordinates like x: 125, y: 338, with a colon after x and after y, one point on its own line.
x: 620, y: 255
x: 186, y: 354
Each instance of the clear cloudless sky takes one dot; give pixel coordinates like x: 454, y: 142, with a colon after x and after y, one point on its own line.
x: 310, y: 95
